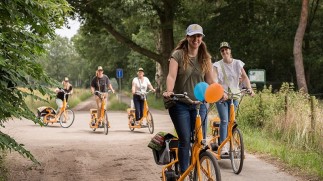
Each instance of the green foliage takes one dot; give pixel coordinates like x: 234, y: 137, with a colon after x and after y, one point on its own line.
x: 98, y: 50
x: 286, y: 115
x: 280, y: 124
x: 155, y: 103
x: 261, y: 34
x: 115, y: 104
x: 78, y: 96
x: 8, y: 143
x: 25, y: 27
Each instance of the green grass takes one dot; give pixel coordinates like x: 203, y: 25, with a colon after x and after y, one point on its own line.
x: 155, y: 103
x: 115, y: 104
x: 78, y: 96
x: 308, y: 163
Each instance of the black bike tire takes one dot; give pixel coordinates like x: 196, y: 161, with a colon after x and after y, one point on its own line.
x: 207, y: 155
x: 72, y: 120
x: 106, y: 123
x: 237, y: 168
x: 150, y: 122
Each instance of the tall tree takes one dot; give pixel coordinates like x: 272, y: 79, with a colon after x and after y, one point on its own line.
x: 113, y: 17
x: 297, y: 51
x: 25, y: 26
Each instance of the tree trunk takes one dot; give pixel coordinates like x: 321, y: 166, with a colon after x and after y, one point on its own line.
x: 297, y: 51
x: 165, y: 44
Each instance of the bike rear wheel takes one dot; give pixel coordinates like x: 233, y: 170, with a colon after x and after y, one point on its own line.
x: 209, y: 167
x: 236, y: 151
x: 42, y: 119
x: 131, y: 122
x: 150, y: 122
x: 106, y: 123
x: 66, y: 119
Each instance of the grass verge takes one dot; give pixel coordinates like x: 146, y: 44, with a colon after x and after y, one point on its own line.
x: 308, y: 164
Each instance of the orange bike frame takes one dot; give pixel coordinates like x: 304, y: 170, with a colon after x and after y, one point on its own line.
x: 196, y: 148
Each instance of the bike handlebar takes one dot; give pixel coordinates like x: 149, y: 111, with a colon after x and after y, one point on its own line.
x: 231, y: 94
x: 100, y: 93
x: 62, y: 90
x: 143, y: 93
x: 177, y: 97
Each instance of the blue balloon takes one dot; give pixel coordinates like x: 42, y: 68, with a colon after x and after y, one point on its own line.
x: 199, y: 90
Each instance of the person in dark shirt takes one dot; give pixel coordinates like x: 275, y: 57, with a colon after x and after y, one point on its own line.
x: 67, y: 87
x: 101, y: 83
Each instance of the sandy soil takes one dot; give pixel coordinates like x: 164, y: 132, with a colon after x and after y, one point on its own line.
x: 78, y: 153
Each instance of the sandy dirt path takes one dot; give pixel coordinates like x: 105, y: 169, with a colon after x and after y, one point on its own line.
x: 78, y: 153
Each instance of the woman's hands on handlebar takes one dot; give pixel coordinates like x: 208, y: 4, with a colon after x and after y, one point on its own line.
x: 62, y: 90
x: 229, y: 95
x: 168, y: 94
x: 100, y: 94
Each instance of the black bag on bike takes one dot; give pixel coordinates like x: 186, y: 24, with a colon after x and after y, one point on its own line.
x: 168, y: 103
x: 42, y: 111
x: 160, y: 145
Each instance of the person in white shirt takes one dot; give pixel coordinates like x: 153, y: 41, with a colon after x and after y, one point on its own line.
x: 230, y: 74
x: 140, y: 84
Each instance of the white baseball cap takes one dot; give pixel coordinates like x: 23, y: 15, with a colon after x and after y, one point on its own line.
x: 194, y: 29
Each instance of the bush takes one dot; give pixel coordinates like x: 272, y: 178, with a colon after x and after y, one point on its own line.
x: 286, y: 115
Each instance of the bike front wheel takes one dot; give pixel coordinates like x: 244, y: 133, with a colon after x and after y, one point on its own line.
x: 209, y: 168
x: 66, y: 119
x: 236, y: 151
x: 106, y: 123
x: 150, y: 122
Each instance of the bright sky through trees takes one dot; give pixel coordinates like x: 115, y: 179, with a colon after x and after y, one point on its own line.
x: 69, y: 33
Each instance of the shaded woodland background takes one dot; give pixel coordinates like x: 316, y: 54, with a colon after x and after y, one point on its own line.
x: 129, y: 34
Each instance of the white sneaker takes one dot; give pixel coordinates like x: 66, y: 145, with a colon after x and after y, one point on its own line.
x: 225, y: 149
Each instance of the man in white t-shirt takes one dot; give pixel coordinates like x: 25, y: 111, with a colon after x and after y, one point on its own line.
x: 140, y: 84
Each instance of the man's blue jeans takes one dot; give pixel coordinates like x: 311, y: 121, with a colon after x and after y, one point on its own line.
x: 183, y: 117
x: 224, y: 113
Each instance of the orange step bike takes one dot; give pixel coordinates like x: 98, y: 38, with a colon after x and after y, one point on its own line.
x: 234, y: 138
x: 65, y: 116
x: 146, y: 120
x: 100, y: 121
x: 203, y: 164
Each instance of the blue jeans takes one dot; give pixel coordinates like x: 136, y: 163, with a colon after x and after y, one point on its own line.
x: 139, y: 106
x: 183, y: 117
x: 224, y: 113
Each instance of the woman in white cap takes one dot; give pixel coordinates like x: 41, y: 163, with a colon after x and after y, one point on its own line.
x: 229, y: 73
x: 189, y: 64
x: 140, y: 84
x: 67, y: 87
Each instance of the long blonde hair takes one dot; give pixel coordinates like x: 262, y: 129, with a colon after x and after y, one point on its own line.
x: 204, y: 57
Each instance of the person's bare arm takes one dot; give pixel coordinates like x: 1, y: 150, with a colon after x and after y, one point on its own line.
x: 246, y: 81
x: 92, y: 90
x: 133, y: 87
x: 111, y: 88
x: 210, y: 76
x: 151, y: 88
x: 171, y: 77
